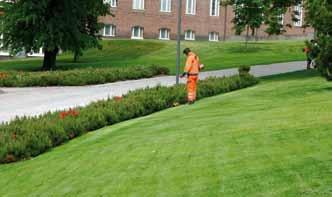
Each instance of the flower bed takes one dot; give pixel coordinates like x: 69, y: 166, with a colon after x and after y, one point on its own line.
x: 28, y: 137
x: 78, y: 77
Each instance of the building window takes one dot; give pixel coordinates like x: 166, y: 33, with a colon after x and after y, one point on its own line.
x: 36, y: 53
x: 298, y: 15
x: 165, y: 5
x: 109, y: 30
x: 214, y: 7
x: 191, y: 7
x: 164, y: 34
x: 137, y: 32
x: 113, y: 3
x: 213, y: 36
x: 1, y: 40
x: 281, y: 19
x: 138, y: 4
x: 189, y: 35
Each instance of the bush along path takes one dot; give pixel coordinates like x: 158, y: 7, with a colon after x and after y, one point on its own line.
x: 28, y: 137
x: 79, y: 77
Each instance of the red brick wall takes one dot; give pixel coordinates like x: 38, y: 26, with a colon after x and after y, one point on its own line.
x: 202, y: 23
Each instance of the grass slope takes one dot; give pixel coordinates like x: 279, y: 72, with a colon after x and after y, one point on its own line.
x: 270, y: 140
x: 147, y: 52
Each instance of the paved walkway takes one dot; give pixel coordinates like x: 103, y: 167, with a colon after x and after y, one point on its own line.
x: 34, y: 101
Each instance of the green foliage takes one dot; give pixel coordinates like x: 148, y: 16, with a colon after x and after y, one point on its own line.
x: 252, y: 14
x: 28, y: 137
x: 69, y: 25
x: 78, y: 77
x: 274, y: 9
x: 319, y: 16
x: 325, y: 57
x: 248, y: 15
x: 244, y: 70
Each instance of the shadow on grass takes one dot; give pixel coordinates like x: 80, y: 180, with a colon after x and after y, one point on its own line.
x: 320, y: 90
x: 305, y: 74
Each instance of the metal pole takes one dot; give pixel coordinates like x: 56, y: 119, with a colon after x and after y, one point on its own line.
x: 178, y: 43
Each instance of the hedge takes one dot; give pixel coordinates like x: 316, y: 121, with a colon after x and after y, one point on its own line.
x: 27, y: 137
x: 78, y: 77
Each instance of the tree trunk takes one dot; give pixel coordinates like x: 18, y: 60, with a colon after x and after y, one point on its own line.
x: 76, y: 56
x: 256, y: 34
x: 247, y: 37
x: 50, y: 59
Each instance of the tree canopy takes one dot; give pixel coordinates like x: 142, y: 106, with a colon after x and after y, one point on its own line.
x: 252, y: 14
x: 67, y: 25
x: 319, y: 16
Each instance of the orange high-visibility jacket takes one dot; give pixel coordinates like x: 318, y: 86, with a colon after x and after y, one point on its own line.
x: 192, y: 64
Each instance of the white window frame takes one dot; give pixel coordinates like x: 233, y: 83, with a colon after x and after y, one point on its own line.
x: 299, y: 9
x: 165, y: 5
x: 38, y: 53
x: 1, y: 40
x: 138, y: 4
x: 213, y: 36
x: 191, y: 10
x: 3, y: 52
x: 113, y: 3
x: 214, y: 7
x: 140, y: 33
x: 112, y: 31
x: 281, y: 19
x: 189, y: 35
x: 167, y: 33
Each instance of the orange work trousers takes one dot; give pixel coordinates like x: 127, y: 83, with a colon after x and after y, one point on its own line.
x: 192, y: 88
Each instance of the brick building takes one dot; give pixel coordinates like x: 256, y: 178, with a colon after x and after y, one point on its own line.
x: 202, y: 20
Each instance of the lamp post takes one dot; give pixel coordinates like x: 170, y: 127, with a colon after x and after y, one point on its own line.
x: 178, y: 42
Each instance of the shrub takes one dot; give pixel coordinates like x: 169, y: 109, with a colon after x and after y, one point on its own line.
x: 325, y: 58
x: 28, y: 137
x: 78, y: 77
x: 244, y: 70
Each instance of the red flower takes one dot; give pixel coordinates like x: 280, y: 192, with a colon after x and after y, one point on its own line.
x: 73, y: 112
x: 70, y: 112
x: 63, y: 115
x: 3, y: 75
x: 118, y: 98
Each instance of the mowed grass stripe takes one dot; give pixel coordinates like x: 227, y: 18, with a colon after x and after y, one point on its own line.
x: 270, y: 140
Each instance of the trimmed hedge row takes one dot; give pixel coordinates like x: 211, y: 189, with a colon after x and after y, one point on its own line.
x: 78, y: 77
x: 28, y: 137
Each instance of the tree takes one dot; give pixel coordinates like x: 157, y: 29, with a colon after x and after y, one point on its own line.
x: 274, y: 11
x: 53, y: 25
x: 252, y: 14
x: 249, y: 16
x: 319, y: 16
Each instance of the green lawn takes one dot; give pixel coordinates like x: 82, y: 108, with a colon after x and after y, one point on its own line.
x: 132, y: 52
x: 274, y: 139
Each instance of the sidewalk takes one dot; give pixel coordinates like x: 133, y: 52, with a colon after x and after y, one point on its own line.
x: 35, y: 101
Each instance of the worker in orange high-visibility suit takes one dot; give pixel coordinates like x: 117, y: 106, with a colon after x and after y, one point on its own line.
x: 191, y: 70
